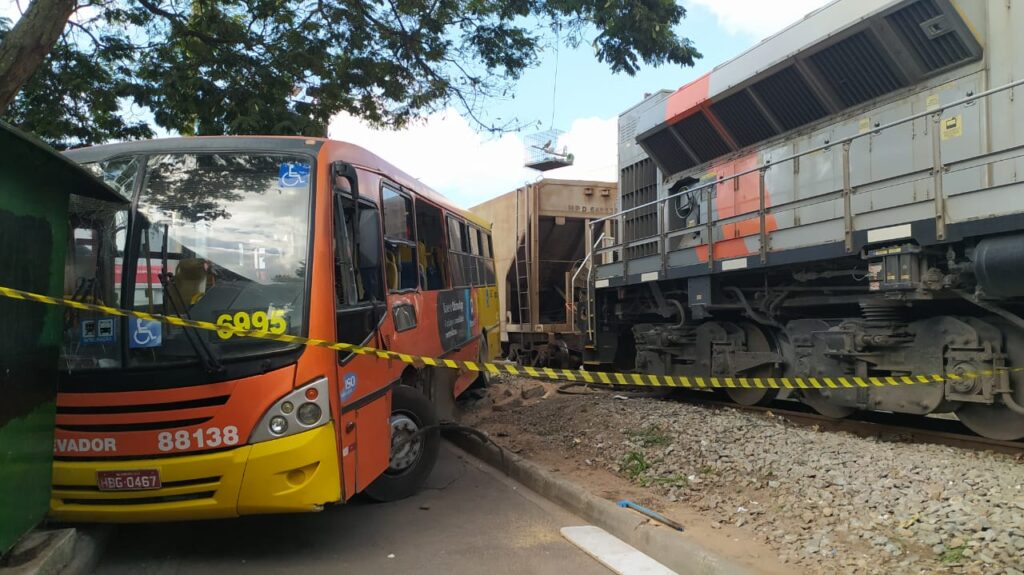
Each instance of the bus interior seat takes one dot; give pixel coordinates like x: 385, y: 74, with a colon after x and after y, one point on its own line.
x: 188, y: 283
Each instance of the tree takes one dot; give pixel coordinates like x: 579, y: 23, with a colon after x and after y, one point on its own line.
x: 286, y: 66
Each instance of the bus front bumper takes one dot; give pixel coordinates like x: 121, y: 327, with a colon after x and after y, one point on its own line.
x: 291, y: 474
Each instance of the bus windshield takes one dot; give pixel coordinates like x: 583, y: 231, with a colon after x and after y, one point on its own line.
x: 217, y: 237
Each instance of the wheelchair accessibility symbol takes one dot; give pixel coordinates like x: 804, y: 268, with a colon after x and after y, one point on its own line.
x: 293, y: 175
x: 143, y: 333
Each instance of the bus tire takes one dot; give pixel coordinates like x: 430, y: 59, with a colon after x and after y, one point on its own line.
x: 412, y: 416
x: 483, y: 378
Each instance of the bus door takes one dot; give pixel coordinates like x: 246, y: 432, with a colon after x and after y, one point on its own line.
x: 364, y: 440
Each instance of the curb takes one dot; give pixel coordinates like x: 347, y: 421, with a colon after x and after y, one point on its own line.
x: 42, y: 552
x: 89, y: 546
x: 668, y: 547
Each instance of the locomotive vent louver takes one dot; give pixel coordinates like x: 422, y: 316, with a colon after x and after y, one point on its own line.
x: 701, y: 137
x: 857, y: 70
x: 870, y: 59
x: 743, y: 119
x: 665, y: 148
x: 929, y: 34
x: 788, y: 97
x: 639, y: 186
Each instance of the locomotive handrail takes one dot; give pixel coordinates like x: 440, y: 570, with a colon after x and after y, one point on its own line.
x: 590, y: 253
x: 826, y: 146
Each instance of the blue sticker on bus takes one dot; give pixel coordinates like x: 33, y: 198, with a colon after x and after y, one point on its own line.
x: 293, y: 175
x: 349, y: 386
x: 144, y: 333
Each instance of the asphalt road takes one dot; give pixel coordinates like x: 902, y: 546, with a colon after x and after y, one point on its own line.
x: 478, y: 522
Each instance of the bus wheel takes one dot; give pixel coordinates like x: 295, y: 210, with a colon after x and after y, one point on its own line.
x: 415, y: 442
x: 483, y: 379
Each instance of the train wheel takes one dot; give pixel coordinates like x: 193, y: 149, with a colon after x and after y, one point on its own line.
x: 999, y: 421
x: 756, y: 341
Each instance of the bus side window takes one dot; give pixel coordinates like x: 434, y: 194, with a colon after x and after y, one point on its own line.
x: 358, y: 279
x: 489, y: 254
x: 473, y: 261
x: 401, y: 266
x: 455, y: 243
x: 483, y: 278
x: 432, y: 253
x: 369, y: 278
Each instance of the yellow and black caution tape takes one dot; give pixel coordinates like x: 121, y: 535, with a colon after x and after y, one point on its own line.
x: 594, y: 377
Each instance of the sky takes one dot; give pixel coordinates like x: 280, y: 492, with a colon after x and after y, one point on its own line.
x: 445, y: 151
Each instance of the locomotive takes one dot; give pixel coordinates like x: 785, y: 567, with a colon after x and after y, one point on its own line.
x: 842, y: 200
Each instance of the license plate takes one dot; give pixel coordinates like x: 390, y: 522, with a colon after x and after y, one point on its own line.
x: 128, y: 480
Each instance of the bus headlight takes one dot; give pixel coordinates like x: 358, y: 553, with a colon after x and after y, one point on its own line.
x: 284, y: 418
x: 309, y: 414
x: 278, y: 425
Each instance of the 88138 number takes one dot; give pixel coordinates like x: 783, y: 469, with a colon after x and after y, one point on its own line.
x: 203, y: 438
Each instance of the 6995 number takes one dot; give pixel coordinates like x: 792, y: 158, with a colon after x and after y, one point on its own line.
x: 275, y: 322
x: 203, y: 438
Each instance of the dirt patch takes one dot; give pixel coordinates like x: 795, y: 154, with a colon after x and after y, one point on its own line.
x: 512, y: 423
x: 775, y: 497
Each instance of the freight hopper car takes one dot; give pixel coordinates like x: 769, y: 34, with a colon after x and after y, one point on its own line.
x: 541, y: 233
x: 843, y: 200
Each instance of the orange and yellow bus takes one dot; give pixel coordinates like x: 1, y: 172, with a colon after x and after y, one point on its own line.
x: 300, y: 236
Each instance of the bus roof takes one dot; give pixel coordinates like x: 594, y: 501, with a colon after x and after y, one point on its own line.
x: 354, y: 154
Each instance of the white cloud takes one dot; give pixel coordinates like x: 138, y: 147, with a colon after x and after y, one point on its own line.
x: 13, y: 9
x: 444, y: 152
x: 758, y: 18
x: 9, y: 9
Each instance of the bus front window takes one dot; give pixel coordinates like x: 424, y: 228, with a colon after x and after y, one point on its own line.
x: 216, y: 237
x: 221, y: 238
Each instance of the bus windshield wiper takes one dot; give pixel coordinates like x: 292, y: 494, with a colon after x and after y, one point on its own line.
x: 199, y: 345
x: 202, y: 349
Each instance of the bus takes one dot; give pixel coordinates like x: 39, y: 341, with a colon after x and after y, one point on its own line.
x: 287, y: 235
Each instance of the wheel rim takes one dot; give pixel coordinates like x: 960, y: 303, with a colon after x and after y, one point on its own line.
x: 406, y: 443
x: 756, y: 341
x: 998, y: 421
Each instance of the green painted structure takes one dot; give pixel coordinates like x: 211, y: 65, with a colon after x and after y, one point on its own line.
x: 35, y: 185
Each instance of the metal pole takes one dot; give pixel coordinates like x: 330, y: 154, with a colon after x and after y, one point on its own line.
x: 937, y: 172
x: 710, y: 231
x: 662, y: 236
x: 762, y: 216
x: 847, y: 200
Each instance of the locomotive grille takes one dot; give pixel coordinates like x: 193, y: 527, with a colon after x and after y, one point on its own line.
x: 857, y: 70
x: 627, y: 130
x: 743, y: 119
x: 662, y: 145
x: 701, y: 137
x: 788, y: 97
x: 639, y: 183
x: 941, y: 47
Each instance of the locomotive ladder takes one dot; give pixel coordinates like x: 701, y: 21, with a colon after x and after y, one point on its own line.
x: 522, y: 264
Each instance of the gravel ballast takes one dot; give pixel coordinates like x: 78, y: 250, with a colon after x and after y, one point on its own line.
x: 827, y: 502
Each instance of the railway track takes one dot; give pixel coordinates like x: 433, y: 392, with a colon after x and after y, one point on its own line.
x: 881, y: 425
x: 893, y: 427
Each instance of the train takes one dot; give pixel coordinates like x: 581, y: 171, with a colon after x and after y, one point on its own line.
x: 540, y: 235
x: 843, y: 200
